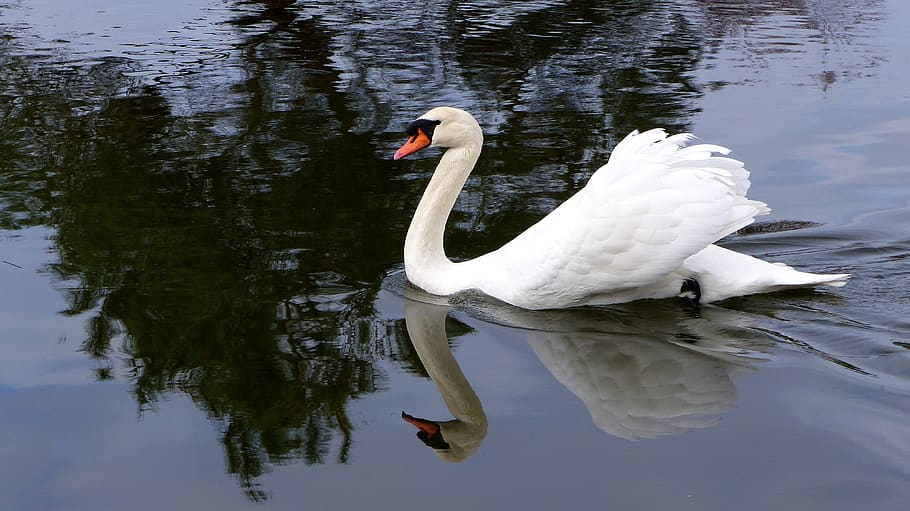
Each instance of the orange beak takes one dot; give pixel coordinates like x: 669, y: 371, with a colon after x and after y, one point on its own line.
x: 414, y: 144
x: 428, y: 427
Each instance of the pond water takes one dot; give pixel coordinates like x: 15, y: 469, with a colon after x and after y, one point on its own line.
x: 203, y: 304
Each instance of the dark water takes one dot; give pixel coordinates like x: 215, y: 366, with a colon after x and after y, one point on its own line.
x: 202, y: 303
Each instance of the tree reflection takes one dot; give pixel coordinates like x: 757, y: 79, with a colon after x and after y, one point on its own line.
x: 215, y: 297
x: 229, y: 286
x: 231, y: 250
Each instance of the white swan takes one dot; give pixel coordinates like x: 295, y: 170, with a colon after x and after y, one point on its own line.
x: 643, y: 227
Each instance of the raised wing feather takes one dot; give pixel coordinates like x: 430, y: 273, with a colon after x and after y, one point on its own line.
x: 655, y: 203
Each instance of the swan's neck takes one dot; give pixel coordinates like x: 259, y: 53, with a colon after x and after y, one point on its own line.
x: 425, y: 260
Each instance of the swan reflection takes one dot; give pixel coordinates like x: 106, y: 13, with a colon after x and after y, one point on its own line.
x: 457, y: 439
x: 642, y: 370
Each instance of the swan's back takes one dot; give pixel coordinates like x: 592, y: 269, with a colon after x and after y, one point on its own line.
x: 655, y: 203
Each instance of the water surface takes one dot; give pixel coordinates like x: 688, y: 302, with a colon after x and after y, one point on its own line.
x: 201, y: 229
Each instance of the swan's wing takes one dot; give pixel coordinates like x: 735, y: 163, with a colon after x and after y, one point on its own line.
x: 655, y: 203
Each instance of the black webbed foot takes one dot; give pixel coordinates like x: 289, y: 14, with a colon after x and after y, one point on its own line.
x: 690, y: 292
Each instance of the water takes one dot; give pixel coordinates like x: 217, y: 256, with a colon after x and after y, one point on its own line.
x: 203, y: 304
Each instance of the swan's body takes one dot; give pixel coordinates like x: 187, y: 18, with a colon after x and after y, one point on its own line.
x: 643, y: 225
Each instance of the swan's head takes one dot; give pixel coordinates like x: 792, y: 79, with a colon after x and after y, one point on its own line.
x: 441, y: 127
x: 465, y: 437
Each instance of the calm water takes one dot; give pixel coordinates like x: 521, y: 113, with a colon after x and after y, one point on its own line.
x: 203, y: 306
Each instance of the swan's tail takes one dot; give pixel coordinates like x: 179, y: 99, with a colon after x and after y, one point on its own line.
x: 724, y: 273
x: 795, y: 278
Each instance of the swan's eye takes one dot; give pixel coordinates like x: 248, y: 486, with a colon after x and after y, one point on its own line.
x: 420, y: 135
x: 425, y: 125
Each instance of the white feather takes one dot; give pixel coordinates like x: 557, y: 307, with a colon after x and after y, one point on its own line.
x: 644, y: 222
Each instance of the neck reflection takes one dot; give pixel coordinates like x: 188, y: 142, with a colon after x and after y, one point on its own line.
x: 456, y: 439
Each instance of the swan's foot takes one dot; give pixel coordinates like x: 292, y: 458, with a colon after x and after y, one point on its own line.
x: 690, y: 291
